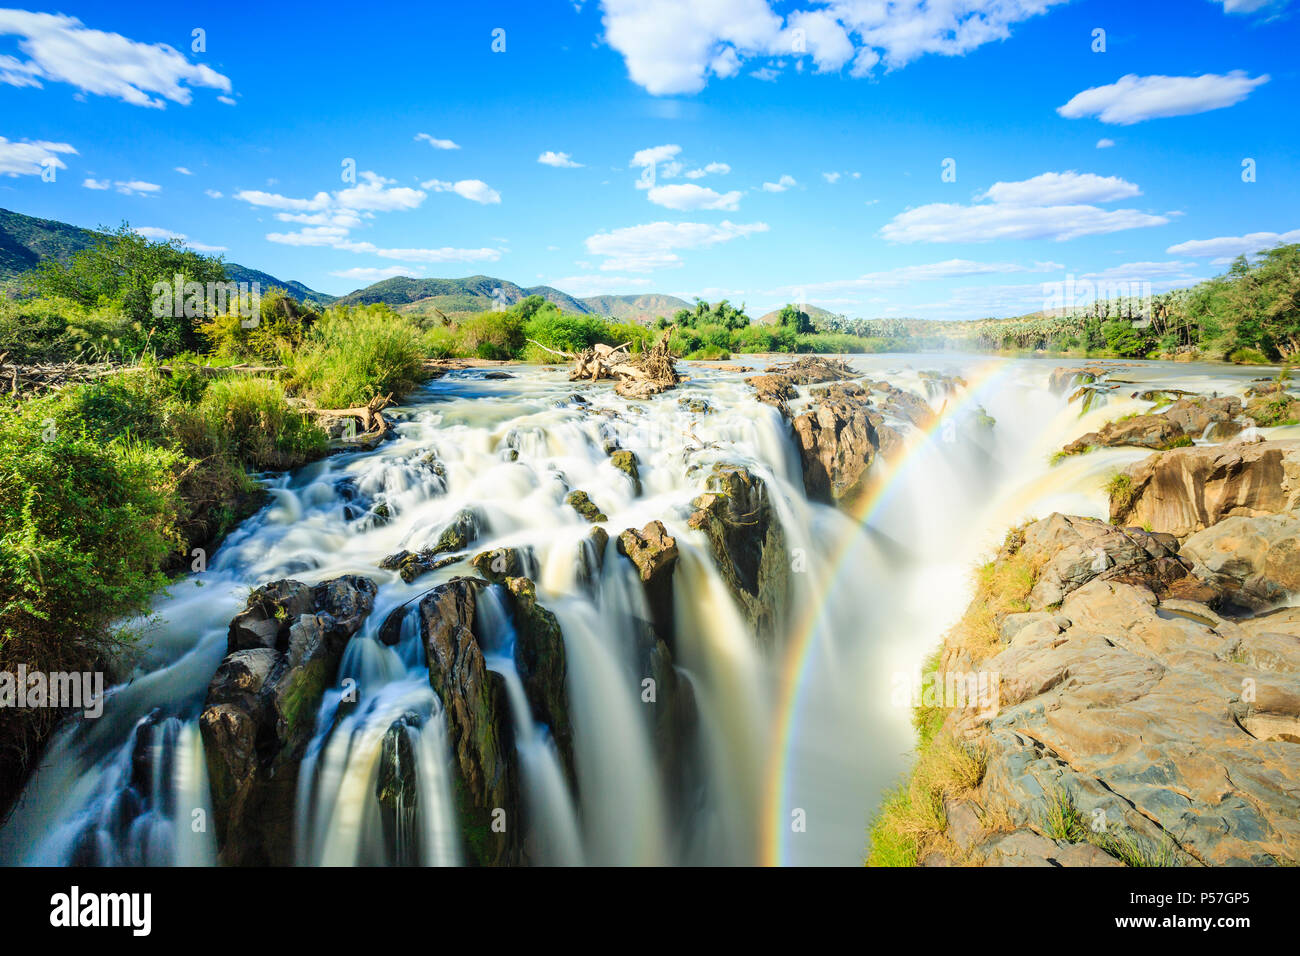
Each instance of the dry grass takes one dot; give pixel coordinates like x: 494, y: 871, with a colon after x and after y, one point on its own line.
x: 1001, y: 587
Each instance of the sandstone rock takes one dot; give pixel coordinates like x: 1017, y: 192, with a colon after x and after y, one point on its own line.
x: 1188, y: 489
x: 261, y: 705
x: 837, y: 441
x: 1255, y: 560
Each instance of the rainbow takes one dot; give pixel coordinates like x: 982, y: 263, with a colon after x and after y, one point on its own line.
x: 774, y: 826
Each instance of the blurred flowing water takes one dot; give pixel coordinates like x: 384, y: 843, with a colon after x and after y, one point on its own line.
x: 806, y: 729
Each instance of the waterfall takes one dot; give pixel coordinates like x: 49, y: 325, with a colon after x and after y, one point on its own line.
x: 785, y: 750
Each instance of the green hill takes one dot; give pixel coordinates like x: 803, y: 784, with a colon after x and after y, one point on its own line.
x: 452, y: 296
x: 26, y: 240
x: 818, y: 315
x: 635, y: 308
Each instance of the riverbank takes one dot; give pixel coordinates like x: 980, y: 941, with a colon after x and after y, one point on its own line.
x: 1121, y: 693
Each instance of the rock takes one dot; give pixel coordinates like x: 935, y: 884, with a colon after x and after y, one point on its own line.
x: 460, y: 534
x: 479, y: 728
x: 1142, y: 431
x: 397, y: 790
x: 260, y: 710
x: 500, y: 564
x: 1195, y: 415
x: 654, y: 553
x: 1143, y: 732
x: 1176, y: 426
x: 1255, y: 560
x: 579, y: 502
x: 625, y: 461
x: 1188, y: 489
x: 591, y: 557
x: 414, y: 564
x: 748, y: 545
x: 774, y: 390
x: 543, y: 668
x: 1069, y: 552
x: 838, y: 439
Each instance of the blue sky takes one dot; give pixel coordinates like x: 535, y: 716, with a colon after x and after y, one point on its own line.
x: 757, y: 150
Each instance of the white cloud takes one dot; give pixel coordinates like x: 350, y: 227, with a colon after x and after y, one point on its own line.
x: 162, y: 235
x: 712, y: 169
x: 30, y: 158
x: 61, y: 49
x: 671, y: 47
x: 473, y: 189
x: 689, y: 197
x: 907, y: 275
x: 1104, y: 143
x: 435, y: 142
x: 136, y: 187
x: 97, y: 184
x: 334, y: 237
x: 373, y: 274
x: 1132, y: 98
x: 1062, y: 188
x: 183, y: 171
x: 373, y: 194
x: 214, y: 193
x: 558, y: 160
x: 951, y: 222
x: 1249, y: 6
x: 654, y: 245
x: 831, y: 177
x: 1232, y: 246
x: 654, y: 155
x: 257, y: 197
x: 781, y: 185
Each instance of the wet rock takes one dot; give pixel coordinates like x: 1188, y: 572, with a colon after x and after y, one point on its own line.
x: 902, y: 404
x: 1195, y: 415
x: 774, y: 390
x: 397, y: 790
x: 748, y: 545
x: 479, y: 728
x: 414, y: 564
x: 591, y: 557
x: 501, y: 563
x: 653, y: 551
x: 579, y: 502
x: 626, y: 462
x: 543, y: 667
x: 1188, y: 489
x: 460, y: 534
x: 696, y: 406
x: 261, y: 705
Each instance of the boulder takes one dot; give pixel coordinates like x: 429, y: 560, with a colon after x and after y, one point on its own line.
x: 1188, y: 489
x: 1255, y: 560
x: 745, y: 535
x: 653, y: 551
x: 625, y: 461
x: 838, y: 438
x: 261, y: 705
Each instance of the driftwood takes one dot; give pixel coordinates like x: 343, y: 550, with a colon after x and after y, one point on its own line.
x: 635, y: 376
x: 374, y: 427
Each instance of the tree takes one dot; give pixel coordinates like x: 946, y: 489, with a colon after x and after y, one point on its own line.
x: 795, y: 318
x: 121, y: 271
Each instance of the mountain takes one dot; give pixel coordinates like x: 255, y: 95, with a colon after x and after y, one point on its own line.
x: 459, y: 297
x: 25, y: 241
x: 470, y: 295
x: 635, y: 308
x: 814, y: 312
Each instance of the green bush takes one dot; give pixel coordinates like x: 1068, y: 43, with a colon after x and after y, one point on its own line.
x: 492, y: 335
x: 355, y: 354
x: 249, y: 420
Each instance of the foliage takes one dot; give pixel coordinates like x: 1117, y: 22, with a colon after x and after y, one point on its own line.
x: 355, y: 353
x: 121, y: 271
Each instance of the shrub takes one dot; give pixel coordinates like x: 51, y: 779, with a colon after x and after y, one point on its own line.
x: 281, y: 324
x: 355, y: 354
x: 249, y: 420
x: 492, y: 335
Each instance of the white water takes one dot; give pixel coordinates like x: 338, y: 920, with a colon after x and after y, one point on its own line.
x: 872, y: 599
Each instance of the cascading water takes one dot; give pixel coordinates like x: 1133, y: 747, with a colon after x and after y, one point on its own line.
x: 795, y: 742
